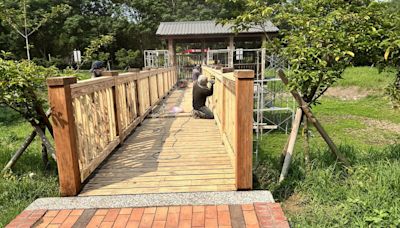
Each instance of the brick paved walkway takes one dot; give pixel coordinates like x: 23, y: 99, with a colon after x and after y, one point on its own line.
x: 221, y: 216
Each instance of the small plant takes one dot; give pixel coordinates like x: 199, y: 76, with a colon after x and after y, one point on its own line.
x: 393, y: 92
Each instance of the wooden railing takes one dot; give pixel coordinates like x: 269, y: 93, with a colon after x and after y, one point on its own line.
x: 232, y: 104
x: 92, y: 117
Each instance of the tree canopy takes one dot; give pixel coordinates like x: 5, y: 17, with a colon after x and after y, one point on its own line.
x: 320, y: 38
x: 132, y: 23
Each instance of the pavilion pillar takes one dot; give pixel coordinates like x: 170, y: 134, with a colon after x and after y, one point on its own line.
x: 263, y: 41
x: 263, y: 55
x: 171, y: 52
x: 231, y: 49
x: 203, y: 53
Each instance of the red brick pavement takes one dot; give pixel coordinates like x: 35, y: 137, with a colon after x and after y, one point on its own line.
x: 222, y: 216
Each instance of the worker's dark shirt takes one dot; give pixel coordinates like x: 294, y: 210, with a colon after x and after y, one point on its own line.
x: 200, y: 95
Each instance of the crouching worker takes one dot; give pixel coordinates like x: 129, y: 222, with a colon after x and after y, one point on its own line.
x: 200, y: 94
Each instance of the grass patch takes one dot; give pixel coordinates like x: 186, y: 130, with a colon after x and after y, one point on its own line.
x: 323, y: 194
x: 366, y: 77
x: 28, y: 181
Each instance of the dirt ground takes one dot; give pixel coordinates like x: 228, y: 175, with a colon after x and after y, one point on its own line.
x: 294, y: 204
x: 348, y: 93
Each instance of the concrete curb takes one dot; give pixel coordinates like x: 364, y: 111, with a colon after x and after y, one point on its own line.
x: 152, y: 200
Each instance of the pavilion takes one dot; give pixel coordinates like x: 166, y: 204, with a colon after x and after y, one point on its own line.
x: 210, y: 32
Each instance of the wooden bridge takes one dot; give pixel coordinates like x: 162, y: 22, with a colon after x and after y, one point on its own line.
x: 133, y: 133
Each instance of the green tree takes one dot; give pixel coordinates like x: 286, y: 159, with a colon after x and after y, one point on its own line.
x: 391, y: 45
x: 24, y: 22
x: 21, y: 86
x: 319, y: 38
x: 128, y: 58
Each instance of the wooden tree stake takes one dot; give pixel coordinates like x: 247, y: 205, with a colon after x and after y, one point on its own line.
x: 314, y: 121
x: 292, y: 141
x: 28, y: 140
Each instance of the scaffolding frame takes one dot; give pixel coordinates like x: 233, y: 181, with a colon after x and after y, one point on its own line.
x: 274, y: 106
x: 156, y: 58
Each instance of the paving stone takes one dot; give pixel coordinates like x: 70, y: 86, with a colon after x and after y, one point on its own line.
x: 257, y: 215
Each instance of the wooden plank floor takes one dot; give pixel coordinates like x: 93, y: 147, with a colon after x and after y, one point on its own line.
x: 179, y: 154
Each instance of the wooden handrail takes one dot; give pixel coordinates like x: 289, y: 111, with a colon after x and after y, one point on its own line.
x: 92, y: 117
x: 232, y: 104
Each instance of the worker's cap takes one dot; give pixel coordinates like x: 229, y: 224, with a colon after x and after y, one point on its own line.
x: 97, y: 65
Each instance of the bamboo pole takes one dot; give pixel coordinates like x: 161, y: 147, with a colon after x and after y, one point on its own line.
x: 292, y: 141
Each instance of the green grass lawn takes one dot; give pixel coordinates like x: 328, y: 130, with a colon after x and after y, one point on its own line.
x: 28, y: 181
x: 322, y: 193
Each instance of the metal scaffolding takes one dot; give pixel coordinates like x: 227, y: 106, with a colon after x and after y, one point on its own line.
x: 156, y: 58
x: 273, y: 105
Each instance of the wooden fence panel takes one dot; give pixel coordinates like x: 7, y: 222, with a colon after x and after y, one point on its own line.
x: 232, y: 103
x: 153, y: 89
x: 93, y: 116
x: 160, y: 84
x: 143, y: 95
x: 91, y: 111
x: 165, y: 80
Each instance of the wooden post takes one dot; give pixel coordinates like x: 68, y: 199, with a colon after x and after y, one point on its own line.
x: 263, y: 55
x: 117, y: 103
x: 231, y: 51
x: 203, y: 54
x: 64, y: 134
x: 223, y: 102
x: 244, y: 128
x: 263, y: 41
x: 171, y: 52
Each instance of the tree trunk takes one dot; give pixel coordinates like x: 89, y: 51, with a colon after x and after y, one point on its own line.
x: 28, y: 55
x: 27, y: 48
x: 45, y: 141
x: 306, y: 143
x: 28, y: 140
x: 44, y: 118
x: 45, y: 158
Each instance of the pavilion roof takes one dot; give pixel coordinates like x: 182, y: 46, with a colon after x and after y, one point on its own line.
x: 185, y: 28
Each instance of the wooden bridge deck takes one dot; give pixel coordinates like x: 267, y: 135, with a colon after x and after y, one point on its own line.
x: 164, y: 154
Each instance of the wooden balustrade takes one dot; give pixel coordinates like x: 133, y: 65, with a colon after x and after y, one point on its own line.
x: 92, y: 117
x: 232, y: 104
